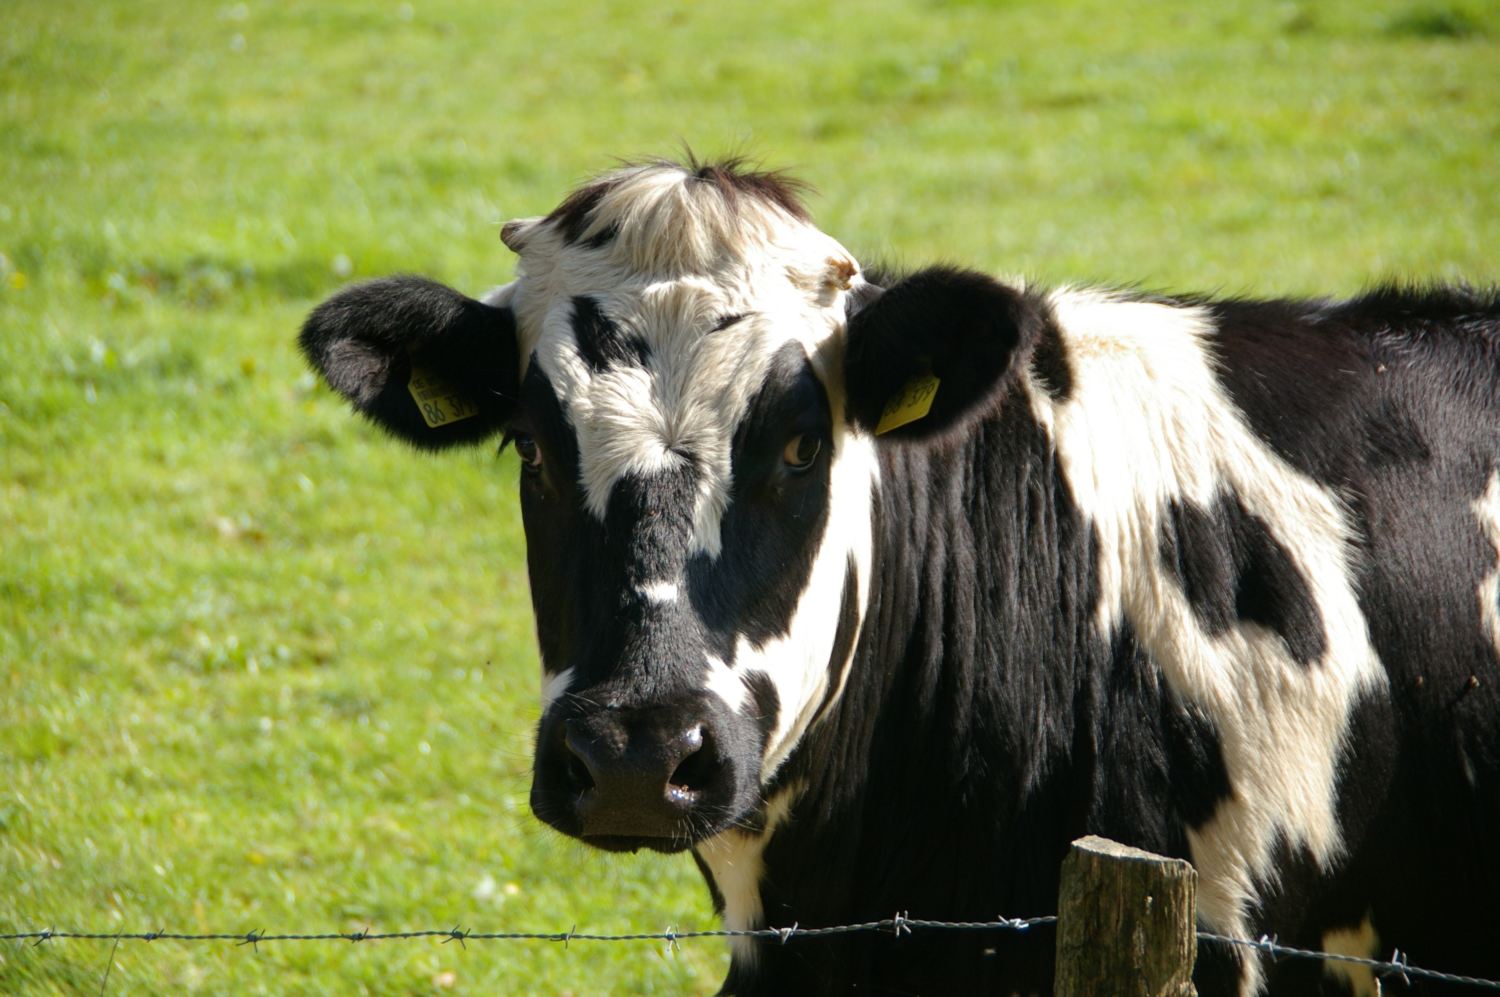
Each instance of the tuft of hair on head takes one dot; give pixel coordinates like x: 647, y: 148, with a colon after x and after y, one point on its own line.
x: 737, y: 175
x: 668, y: 217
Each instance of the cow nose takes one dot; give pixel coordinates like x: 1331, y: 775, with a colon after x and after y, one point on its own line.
x: 612, y: 768
x: 638, y: 777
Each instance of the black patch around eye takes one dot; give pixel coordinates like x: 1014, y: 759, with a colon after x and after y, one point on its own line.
x: 1231, y: 567
x: 773, y: 527
x: 600, y: 341
x: 790, y: 403
x: 542, y: 417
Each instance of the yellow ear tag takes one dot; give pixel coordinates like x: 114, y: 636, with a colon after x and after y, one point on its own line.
x: 914, y: 402
x: 439, y: 402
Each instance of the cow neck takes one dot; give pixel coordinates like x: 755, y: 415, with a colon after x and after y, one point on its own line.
x: 959, y: 715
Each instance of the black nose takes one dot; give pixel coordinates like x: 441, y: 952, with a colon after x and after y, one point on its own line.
x: 623, y: 779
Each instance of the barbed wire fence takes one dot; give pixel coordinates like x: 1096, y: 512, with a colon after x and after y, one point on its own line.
x: 1396, y: 968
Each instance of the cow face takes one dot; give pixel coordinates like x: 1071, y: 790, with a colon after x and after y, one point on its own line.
x: 693, y: 408
x: 696, y: 508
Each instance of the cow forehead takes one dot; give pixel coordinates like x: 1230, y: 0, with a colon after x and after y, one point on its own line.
x: 676, y: 395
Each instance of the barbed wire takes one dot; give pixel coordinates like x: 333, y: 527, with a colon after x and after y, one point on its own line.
x: 1397, y: 968
x: 900, y: 925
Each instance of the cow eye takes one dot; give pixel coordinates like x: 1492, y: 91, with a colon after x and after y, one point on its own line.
x: 528, y: 451
x: 801, y: 450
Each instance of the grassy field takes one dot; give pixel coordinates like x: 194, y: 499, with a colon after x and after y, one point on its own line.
x: 261, y: 669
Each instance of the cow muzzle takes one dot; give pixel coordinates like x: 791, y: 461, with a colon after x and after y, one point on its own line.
x: 623, y: 779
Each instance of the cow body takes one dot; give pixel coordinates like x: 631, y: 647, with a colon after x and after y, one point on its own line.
x: 1217, y: 579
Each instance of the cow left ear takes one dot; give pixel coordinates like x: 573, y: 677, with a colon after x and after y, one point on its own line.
x: 933, y: 351
x: 427, y: 364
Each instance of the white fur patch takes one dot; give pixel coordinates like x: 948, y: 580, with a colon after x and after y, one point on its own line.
x: 659, y: 593
x: 798, y: 664
x: 1361, y: 942
x: 554, y: 684
x: 1146, y: 424
x: 1487, y: 508
x: 735, y: 860
x: 726, y: 683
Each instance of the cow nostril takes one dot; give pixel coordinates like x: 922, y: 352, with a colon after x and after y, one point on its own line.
x: 579, y: 776
x: 696, y: 770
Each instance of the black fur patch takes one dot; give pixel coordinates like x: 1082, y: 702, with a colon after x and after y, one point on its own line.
x: 600, y: 341
x: 843, y: 637
x: 1195, y: 757
x: 648, y: 523
x: 1232, y: 568
x: 714, y: 893
x: 767, y: 702
x: 573, y: 215
x: 1049, y: 362
x: 1334, y: 385
x: 773, y: 527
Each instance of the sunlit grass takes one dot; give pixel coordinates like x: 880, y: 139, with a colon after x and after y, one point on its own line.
x: 260, y: 668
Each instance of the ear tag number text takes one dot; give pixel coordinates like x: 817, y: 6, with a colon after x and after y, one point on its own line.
x: 439, y: 402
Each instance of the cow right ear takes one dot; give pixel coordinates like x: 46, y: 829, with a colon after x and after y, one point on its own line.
x: 427, y: 364
x: 936, y: 350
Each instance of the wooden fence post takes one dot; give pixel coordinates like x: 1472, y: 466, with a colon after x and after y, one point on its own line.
x: 1126, y: 922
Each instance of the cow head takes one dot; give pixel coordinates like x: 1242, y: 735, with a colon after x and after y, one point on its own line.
x: 692, y: 375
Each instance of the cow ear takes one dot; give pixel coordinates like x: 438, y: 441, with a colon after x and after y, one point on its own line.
x: 933, y: 351
x: 426, y: 363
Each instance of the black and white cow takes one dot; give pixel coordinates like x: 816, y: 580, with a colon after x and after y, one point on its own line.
x: 874, y: 594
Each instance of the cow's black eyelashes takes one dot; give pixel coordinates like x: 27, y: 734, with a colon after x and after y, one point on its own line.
x: 801, y: 451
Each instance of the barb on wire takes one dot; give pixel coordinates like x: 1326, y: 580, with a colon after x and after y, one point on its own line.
x: 1398, y: 968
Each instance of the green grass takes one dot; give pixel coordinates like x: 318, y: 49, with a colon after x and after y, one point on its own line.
x: 260, y: 668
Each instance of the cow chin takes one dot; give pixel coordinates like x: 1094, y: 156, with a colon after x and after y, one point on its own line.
x: 661, y: 776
